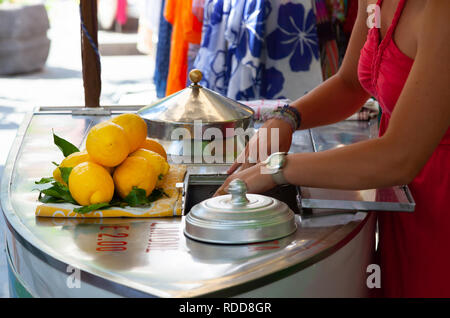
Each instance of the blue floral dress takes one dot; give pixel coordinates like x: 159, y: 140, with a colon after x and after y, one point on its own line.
x: 255, y: 49
x: 162, y: 54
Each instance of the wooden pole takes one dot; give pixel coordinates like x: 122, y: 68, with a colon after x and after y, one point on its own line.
x: 89, y: 53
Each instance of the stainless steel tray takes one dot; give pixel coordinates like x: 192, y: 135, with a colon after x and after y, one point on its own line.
x: 390, y: 199
x: 395, y: 199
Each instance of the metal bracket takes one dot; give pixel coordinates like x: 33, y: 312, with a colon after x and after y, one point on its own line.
x: 91, y: 111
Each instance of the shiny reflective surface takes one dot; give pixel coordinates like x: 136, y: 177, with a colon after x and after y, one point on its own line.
x: 389, y: 199
x: 151, y: 256
x: 344, y: 133
x: 239, y: 218
x: 192, y: 111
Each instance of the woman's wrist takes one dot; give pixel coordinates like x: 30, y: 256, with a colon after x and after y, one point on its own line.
x: 288, y: 114
x: 286, y: 168
x: 284, y: 128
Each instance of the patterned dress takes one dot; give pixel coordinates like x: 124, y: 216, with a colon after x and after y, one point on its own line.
x: 254, y: 49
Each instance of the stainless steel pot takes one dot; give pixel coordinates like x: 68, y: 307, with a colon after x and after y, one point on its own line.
x: 195, y: 109
x: 239, y: 218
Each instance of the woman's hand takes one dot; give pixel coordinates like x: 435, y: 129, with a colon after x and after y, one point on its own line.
x: 256, y: 181
x: 260, y: 138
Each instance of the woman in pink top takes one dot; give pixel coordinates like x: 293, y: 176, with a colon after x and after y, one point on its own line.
x: 405, y: 64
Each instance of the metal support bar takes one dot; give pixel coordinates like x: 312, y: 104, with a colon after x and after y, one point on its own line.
x: 89, y: 53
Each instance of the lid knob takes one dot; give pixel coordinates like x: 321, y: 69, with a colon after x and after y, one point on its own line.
x: 195, y: 76
x: 237, y: 188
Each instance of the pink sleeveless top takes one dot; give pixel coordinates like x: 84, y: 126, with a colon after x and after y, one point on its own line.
x: 414, y: 248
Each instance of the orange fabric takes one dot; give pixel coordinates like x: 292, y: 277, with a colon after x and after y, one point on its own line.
x: 186, y: 29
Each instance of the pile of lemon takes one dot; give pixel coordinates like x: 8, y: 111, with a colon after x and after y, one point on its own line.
x: 118, y: 158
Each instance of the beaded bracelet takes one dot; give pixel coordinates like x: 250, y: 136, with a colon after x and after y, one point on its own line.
x: 287, y: 113
x: 293, y: 111
x: 283, y: 116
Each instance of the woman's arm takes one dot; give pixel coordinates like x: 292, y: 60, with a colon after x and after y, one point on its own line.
x: 419, y: 121
x: 341, y: 95
x: 334, y: 100
x: 417, y: 125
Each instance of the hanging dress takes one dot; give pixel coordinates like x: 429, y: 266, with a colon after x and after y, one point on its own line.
x: 162, y: 54
x: 254, y: 49
x: 186, y: 29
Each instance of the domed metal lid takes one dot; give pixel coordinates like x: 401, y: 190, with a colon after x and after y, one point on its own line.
x: 196, y: 103
x: 239, y: 218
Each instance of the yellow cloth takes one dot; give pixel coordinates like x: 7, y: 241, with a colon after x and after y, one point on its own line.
x: 165, y: 206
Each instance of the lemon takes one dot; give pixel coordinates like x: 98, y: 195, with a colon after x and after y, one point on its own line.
x: 134, y: 172
x: 156, y: 160
x: 107, y: 144
x: 135, y: 129
x: 90, y: 183
x: 155, y: 146
x: 69, y: 162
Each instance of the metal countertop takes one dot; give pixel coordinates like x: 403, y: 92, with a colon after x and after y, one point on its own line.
x: 152, y: 257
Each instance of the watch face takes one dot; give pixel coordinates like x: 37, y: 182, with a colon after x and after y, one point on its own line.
x: 276, y: 161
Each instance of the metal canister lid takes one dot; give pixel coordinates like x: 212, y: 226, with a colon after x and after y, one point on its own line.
x: 196, y: 103
x: 194, y: 106
x: 239, y: 218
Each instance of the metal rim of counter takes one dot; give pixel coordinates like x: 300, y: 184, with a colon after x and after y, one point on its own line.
x: 51, y: 257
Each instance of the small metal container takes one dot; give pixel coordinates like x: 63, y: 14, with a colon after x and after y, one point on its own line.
x: 239, y: 218
x: 195, y: 109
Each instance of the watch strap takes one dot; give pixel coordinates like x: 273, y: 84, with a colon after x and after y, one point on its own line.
x: 278, y: 177
x: 277, y: 174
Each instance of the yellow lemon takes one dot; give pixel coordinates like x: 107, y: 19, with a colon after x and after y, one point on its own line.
x: 155, y: 146
x: 156, y: 160
x: 135, y: 129
x: 134, y: 172
x: 69, y: 162
x: 90, y: 183
x: 107, y: 144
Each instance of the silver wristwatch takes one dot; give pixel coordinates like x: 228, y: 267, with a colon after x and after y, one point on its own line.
x: 274, y: 165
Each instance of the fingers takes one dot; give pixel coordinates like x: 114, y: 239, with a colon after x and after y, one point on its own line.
x: 220, y: 191
x: 223, y: 188
x: 254, y: 180
x: 234, y: 167
x: 242, y: 157
x: 247, y: 165
x: 242, y: 167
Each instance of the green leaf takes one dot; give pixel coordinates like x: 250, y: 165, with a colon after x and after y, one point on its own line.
x: 136, y: 197
x: 55, y: 163
x: 61, y: 186
x: 65, y: 173
x: 59, y: 191
x: 92, y: 207
x: 157, y: 194
x: 66, y: 147
x: 53, y: 191
x: 116, y: 201
x: 50, y: 199
x: 45, y: 180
